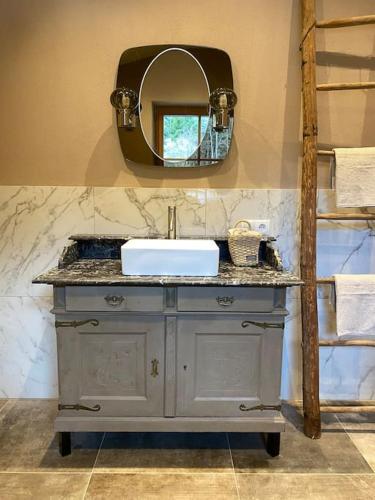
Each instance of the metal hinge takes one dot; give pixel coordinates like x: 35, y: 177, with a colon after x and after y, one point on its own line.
x: 260, y: 407
x: 263, y: 325
x: 74, y: 324
x: 78, y: 407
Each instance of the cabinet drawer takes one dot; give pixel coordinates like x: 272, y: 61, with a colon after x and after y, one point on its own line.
x: 254, y: 299
x: 113, y: 298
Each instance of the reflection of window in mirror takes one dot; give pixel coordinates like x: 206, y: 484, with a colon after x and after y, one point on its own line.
x: 179, y: 130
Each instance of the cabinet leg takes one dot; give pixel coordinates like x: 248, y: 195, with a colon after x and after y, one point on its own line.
x: 65, y: 443
x: 273, y: 443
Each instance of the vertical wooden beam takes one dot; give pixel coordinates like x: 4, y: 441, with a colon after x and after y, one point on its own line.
x: 310, y: 344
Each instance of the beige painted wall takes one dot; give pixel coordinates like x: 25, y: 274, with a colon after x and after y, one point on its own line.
x: 58, y: 67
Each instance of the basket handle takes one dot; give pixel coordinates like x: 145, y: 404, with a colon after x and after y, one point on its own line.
x: 241, y: 221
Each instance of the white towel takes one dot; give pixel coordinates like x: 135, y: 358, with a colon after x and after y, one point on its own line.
x: 355, y: 177
x: 355, y: 304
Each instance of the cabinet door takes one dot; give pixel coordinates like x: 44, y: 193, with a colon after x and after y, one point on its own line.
x: 117, y: 364
x: 222, y: 365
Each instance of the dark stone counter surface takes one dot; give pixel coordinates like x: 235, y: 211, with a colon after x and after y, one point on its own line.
x: 94, y: 260
x: 108, y: 272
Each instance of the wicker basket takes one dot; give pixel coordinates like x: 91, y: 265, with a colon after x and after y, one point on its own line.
x: 244, y: 245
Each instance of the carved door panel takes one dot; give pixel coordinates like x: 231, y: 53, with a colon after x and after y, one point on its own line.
x: 222, y: 366
x: 117, y: 364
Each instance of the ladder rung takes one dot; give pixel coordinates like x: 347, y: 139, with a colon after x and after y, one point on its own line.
x: 347, y: 343
x: 347, y: 409
x: 342, y: 216
x: 325, y: 153
x: 329, y: 280
x: 345, y: 22
x: 346, y: 86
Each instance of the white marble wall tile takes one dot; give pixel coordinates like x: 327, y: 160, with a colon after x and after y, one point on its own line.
x: 35, y: 223
x: 345, y: 372
x: 27, y: 348
x: 280, y: 206
x: 343, y: 246
x: 144, y: 211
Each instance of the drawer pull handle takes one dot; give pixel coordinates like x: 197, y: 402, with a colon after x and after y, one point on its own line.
x: 114, y: 300
x: 79, y: 407
x: 260, y: 407
x: 264, y: 325
x: 225, y: 301
x: 154, y: 368
x: 75, y: 324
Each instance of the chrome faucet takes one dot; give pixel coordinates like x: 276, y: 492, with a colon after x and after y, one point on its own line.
x: 171, y: 223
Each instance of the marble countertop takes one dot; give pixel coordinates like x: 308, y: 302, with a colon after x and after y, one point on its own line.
x: 108, y: 272
x: 88, y: 237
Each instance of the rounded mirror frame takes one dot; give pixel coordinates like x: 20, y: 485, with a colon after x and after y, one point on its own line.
x: 217, y: 68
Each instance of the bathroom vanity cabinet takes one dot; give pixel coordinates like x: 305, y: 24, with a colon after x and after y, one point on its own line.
x: 173, y: 354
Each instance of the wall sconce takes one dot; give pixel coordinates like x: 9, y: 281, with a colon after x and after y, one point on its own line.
x: 222, y: 100
x: 125, y: 101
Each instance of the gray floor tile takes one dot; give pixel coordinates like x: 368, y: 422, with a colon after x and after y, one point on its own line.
x: 28, y: 442
x: 305, y: 487
x: 357, y: 421
x: 165, y: 452
x: 43, y: 486
x: 184, y: 465
x: 361, y: 429
x: 333, y: 453
x: 162, y: 486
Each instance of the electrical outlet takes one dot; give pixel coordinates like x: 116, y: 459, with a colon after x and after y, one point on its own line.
x: 261, y: 225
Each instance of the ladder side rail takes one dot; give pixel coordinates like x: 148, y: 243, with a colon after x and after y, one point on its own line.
x: 310, y: 342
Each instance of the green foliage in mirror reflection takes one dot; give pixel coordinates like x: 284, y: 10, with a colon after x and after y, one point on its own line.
x: 181, y: 136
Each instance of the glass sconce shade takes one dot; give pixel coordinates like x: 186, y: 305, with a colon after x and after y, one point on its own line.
x: 222, y: 101
x: 125, y: 101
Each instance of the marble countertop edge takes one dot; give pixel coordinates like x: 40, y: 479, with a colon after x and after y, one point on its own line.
x: 101, y: 272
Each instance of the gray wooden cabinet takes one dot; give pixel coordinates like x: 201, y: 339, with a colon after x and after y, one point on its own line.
x: 169, y: 358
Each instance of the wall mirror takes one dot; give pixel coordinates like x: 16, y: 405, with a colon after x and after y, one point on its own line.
x: 174, y: 105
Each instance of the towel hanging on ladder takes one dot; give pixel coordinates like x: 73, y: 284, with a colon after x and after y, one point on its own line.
x: 355, y: 304
x: 355, y: 177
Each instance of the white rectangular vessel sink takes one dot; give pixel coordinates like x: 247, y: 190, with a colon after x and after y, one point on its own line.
x: 141, y: 257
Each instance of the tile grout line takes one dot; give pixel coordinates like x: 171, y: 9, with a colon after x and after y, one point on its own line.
x: 354, y: 443
x: 307, y: 474
x: 234, y: 471
x: 46, y: 471
x: 158, y: 472
x: 93, y: 466
x: 126, y: 473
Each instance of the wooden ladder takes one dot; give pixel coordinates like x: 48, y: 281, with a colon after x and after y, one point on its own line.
x: 309, y: 217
